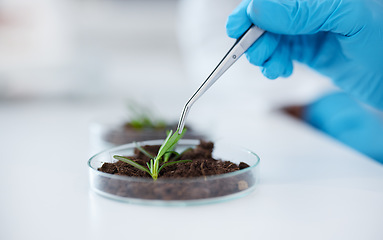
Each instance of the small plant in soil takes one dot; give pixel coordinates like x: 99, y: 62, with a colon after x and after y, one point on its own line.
x: 142, y: 124
x: 162, y: 159
x: 155, y: 162
x: 142, y: 117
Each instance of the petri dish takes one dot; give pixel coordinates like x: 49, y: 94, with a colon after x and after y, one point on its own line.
x: 177, y: 191
x: 108, y: 133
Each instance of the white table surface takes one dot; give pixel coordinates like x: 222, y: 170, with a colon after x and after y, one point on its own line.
x: 312, y: 187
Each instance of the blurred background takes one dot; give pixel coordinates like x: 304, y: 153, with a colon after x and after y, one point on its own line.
x: 102, y: 49
x: 85, y: 59
x: 86, y: 48
x: 73, y: 63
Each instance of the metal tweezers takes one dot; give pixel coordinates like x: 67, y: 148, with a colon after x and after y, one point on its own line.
x: 240, y: 46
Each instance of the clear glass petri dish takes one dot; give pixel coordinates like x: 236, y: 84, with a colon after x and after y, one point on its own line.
x: 179, y: 191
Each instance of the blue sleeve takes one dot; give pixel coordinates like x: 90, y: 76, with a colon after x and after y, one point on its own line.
x: 345, y: 119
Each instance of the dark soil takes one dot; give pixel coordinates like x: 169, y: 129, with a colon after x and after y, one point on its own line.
x: 202, y: 165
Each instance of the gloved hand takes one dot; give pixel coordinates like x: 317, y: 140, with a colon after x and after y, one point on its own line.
x: 342, y: 39
x: 343, y: 118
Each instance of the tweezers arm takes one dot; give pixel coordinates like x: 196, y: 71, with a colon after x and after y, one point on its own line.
x: 240, y: 46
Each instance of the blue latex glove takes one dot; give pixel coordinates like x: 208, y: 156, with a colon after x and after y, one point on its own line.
x: 345, y: 119
x: 342, y: 39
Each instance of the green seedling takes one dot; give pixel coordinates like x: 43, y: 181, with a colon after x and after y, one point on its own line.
x: 157, y: 163
x: 141, y: 117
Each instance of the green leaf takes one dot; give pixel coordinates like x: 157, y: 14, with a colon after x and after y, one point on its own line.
x: 175, y: 138
x: 143, y: 150
x: 164, y: 147
x: 170, y: 142
x: 151, y: 166
x: 131, y: 162
x: 168, y: 154
x: 171, y: 163
x: 178, y: 155
x: 143, y: 117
